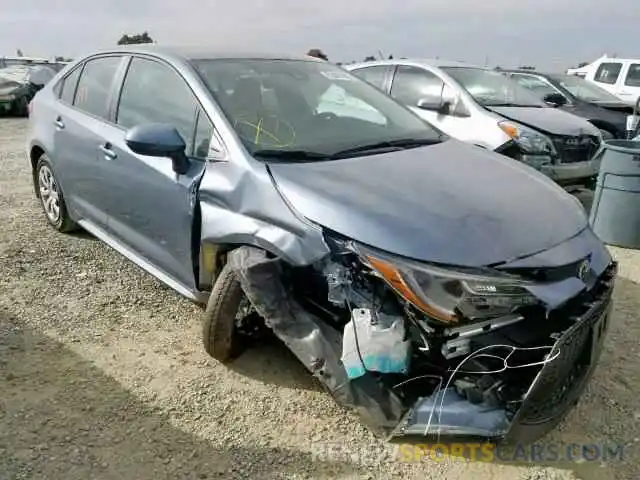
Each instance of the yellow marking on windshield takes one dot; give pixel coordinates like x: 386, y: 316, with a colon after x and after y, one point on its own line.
x: 262, y: 134
x: 258, y: 128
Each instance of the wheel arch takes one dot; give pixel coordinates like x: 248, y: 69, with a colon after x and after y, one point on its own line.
x: 604, y: 125
x: 36, y: 151
x: 213, y: 256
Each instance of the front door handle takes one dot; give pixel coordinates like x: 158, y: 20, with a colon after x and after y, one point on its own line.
x: 59, y: 123
x: 108, y: 153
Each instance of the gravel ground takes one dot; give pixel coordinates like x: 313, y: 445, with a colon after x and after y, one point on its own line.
x: 102, y: 375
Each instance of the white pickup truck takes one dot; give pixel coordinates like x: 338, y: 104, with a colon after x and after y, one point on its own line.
x: 619, y: 76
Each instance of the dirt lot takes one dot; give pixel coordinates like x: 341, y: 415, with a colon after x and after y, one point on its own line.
x: 102, y: 376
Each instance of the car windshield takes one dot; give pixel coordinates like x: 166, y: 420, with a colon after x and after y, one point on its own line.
x: 299, y: 106
x: 492, y: 89
x: 584, y: 90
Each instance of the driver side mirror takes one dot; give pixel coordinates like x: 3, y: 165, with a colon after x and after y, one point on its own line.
x: 159, y: 140
x: 435, y: 103
x: 555, y: 99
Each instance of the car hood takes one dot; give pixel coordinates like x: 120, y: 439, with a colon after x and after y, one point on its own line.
x: 593, y: 111
x: 546, y: 119
x: 450, y: 203
x: 620, y: 106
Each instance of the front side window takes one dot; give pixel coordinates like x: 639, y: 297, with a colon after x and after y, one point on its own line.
x: 633, y: 75
x: 154, y: 93
x: 412, y: 84
x: 95, y: 85
x: 203, y: 135
x: 492, y: 89
x: 374, y: 75
x: 287, y: 105
x: 608, y: 73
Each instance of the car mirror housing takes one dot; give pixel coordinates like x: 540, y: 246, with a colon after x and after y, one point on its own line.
x: 555, y: 99
x: 159, y: 140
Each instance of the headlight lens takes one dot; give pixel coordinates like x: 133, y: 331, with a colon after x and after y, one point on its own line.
x: 528, y: 139
x: 449, y: 296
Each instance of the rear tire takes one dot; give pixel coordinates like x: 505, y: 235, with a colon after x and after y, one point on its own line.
x: 50, y: 195
x: 220, y: 335
x: 21, y: 107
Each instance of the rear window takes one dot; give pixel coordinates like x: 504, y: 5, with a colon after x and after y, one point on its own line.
x: 608, y: 72
x: 94, y: 87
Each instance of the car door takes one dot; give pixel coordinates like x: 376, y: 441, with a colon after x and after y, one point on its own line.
x: 410, y: 84
x: 81, y: 113
x: 151, y: 209
x: 630, y: 79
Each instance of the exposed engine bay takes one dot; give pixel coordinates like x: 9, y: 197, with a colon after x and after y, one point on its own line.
x: 499, y: 365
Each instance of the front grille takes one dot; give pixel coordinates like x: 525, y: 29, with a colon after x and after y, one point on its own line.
x: 573, y: 149
x: 560, y: 377
x: 549, y: 274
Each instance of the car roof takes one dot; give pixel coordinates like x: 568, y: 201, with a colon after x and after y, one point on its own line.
x: 530, y: 72
x: 187, y: 52
x: 429, y: 62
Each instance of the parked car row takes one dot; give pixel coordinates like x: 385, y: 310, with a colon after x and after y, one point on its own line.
x: 432, y: 284
x: 19, y: 84
x: 486, y: 108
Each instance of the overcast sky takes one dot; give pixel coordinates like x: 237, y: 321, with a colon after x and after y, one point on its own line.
x: 551, y: 34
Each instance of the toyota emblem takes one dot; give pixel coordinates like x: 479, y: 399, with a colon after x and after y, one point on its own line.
x: 583, y: 270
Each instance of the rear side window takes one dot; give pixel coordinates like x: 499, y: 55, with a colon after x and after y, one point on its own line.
x: 94, y: 87
x: 633, y: 76
x: 69, y: 84
x: 373, y: 75
x: 154, y: 93
x: 608, y: 72
x: 411, y: 84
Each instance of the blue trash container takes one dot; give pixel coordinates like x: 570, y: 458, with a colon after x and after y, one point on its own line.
x: 615, y: 212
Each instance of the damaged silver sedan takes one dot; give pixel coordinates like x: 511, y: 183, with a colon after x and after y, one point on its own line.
x: 437, y: 288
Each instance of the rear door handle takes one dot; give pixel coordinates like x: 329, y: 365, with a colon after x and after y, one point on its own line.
x: 59, y: 123
x: 106, y: 149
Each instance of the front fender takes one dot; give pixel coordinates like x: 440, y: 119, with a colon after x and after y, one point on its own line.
x: 240, y: 205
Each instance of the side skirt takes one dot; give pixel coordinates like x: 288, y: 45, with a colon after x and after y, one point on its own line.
x: 195, y: 296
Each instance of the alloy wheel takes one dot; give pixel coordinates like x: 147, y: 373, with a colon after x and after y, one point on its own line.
x: 49, y: 194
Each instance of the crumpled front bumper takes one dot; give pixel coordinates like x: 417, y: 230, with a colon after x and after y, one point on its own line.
x: 444, y: 413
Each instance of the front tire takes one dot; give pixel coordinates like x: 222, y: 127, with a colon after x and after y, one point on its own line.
x: 51, y: 198
x: 220, y: 335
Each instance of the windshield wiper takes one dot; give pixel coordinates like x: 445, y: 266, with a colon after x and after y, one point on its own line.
x: 401, y: 143
x: 292, y: 155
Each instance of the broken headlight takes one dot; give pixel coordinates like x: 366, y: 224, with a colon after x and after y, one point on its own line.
x: 527, y: 138
x: 450, y: 295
